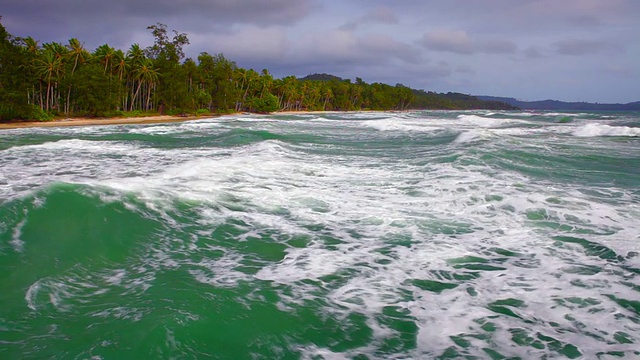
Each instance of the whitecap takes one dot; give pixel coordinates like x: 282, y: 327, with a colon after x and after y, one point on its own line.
x: 467, y: 137
x: 153, y: 130
x: 116, y: 277
x: 30, y: 295
x: 79, y: 146
x: 396, y: 124
x: 480, y: 121
x: 597, y: 130
x: 16, y: 242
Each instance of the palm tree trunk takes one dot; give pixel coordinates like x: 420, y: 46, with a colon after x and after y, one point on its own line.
x: 48, y: 93
x: 135, y: 95
x: 149, y: 97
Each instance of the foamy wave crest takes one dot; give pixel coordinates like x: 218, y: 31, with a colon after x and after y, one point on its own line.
x: 207, y: 124
x: 480, y: 121
x: 158, y: 129
x: 395, y: 124
x: 555, y: 114
x: 81, y: 145
x: 467, y: 137
x: 595, y: 130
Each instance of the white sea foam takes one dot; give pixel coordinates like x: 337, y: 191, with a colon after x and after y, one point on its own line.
x: 206, y: 125
x: 596, y: 129
x: 30, y: 295
x: 397, y: 124
x: 481, y: 121
x: 470, y: 136
x: 159, y: 129
x: 116, y: 277
x: 525, y: 114
x: 16, y: 241
x: 370, y: 115
x: 378, y: 224
x: 219, y: 272
x: 558, y: 114
x: 77, y: 145
x: 367, y: 291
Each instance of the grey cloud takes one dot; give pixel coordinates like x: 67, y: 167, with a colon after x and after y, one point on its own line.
x: 119, y: 21
x: 256, y: 12
x: 522, y: 17
x: 533, y: 52
x: 238, y: 11
x: 336, y: 51
x: 585, y: 21
x: 434, y: 76
x: 345, y: 47
x: 458, y: 41
x: 255, y: 43
x: 387, y: 46
x: 464, y: 69
x: 497, y: 47
x: 381, y: 14
x: 619, y: 70
x: 585, y: 47
x: 373, y: 57
x: 439, y: 70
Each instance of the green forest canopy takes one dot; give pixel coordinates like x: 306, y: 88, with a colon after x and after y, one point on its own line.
x: 40, y: 81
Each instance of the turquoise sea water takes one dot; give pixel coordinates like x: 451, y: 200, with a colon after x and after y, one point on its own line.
x: 324, y: 236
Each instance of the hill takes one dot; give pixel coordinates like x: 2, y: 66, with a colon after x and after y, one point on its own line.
x: 561, y: 105
x: 321, y: 77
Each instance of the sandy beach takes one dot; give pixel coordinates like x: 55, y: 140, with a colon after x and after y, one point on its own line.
x: 97, y: 121
x: 127, y: 120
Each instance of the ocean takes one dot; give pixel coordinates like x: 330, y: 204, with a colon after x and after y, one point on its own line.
x: 417, y: 235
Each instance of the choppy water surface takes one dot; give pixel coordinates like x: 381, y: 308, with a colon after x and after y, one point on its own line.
x: 363, y: 235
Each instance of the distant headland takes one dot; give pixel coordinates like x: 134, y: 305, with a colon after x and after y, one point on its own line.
x: 561, y: 105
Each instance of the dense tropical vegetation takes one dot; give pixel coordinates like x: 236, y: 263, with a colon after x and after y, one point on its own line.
x: 40, y: 81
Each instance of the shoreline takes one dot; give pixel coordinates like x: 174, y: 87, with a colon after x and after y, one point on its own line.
x: 100, y: 121
x: 155, y: 119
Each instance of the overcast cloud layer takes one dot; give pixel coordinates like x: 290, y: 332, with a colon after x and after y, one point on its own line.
x: 572, y: 50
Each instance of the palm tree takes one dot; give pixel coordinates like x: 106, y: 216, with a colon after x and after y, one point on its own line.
x: 51, y: 67
x: 32, y: 50
x: 121, y: 68
x: 245, y: 79
x: 58, y: 50
x: 31, y: 45
x: 328, y: 95
x: 312, y: 94
x: 146, y: 75
x: 48, y: 67
x: 266, y: 80
x: 135, y: 58
x: 105, y: 54
x: 287, y: 91
x: 150, y: 76
x: 79, y: 55
x: 135, y: 53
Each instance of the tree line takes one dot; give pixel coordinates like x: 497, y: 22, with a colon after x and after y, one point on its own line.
x: 40, y: 81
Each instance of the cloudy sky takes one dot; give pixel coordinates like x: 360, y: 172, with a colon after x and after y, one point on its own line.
x: 572, y: 50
